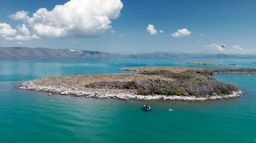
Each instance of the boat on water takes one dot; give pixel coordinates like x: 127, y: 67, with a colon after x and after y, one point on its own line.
x: 147, y: 108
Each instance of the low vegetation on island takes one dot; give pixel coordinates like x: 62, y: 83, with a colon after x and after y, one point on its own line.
x: 147, y: 83
x: 183, y: 82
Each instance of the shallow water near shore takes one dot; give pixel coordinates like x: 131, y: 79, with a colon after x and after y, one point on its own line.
x: 34, y: 117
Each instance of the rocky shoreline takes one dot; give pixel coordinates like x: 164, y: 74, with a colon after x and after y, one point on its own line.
x: 147, y: 83
x: 113, y: 94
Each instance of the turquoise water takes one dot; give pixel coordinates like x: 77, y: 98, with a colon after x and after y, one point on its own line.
x: 36, y: 118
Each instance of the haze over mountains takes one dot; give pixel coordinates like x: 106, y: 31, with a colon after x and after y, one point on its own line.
x: 46, y: 53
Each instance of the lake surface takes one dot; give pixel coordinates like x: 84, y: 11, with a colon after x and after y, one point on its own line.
x: 27, y: 117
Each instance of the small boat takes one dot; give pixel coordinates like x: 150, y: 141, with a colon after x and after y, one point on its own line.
x: 171, y: 110
x: 146, y: 108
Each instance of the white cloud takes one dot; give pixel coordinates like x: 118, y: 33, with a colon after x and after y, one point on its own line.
x: 20, y: 33
x: 217, y: 47
x: 83, y: 18
x: 23, y: 29
x: 161, y: 31
x: 181, y: 33
x: 230, y: 49
x: 76, y: 18
x: 6, y: 31
x: 24, y: 33
x: 238, y: 48
x: 151, y: 29
x: 20, y: 15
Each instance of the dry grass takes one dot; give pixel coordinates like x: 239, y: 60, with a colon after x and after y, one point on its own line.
x: 82, y: 80
x: 182, y: 81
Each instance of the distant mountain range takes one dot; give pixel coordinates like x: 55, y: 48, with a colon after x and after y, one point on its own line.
x: 46, y: 53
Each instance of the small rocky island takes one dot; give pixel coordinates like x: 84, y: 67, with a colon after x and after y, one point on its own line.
x: 147, y: 83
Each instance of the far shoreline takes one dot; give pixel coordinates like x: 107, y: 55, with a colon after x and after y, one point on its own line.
x: 210, y: 64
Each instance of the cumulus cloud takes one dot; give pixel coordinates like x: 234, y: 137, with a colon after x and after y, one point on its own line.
x: 24, y: 33
x: 20, y: 15
x: 6, y: 31
x: 20, y: 33
x: 83, y: 18
x: 181, y: 33
x: 151, y: 29
x: 76, y: 18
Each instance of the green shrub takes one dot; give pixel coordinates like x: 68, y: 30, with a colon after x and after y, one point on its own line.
x: 225, y: 91
x: 179, y: 91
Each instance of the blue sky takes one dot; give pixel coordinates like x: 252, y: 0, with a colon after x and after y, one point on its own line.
x: 202, y: 26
